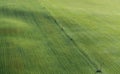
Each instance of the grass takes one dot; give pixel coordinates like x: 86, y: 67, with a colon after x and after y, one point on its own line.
x: 59, y: 36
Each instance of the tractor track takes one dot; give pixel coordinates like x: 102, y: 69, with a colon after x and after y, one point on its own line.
x: 89, y: 61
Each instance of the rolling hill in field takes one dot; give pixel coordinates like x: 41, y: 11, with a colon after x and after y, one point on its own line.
x: 59, y: 37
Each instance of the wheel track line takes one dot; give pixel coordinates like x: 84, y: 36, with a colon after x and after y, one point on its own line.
x: 75, y: 44
x: 48, y: 42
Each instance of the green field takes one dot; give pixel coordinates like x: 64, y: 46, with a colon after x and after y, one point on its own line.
x: 59, y: 37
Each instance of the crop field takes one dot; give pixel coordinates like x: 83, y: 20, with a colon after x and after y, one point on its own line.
x: 59, y: 37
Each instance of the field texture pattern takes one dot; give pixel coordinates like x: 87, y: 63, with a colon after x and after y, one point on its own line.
x: 59, y: 37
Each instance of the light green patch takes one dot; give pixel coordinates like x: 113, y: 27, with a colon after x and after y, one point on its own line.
x: 13, y: 23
